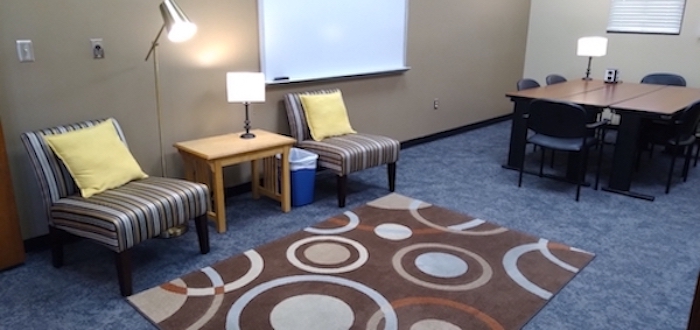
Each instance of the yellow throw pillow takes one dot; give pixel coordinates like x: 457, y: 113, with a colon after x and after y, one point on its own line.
x: 326, y: 115
x: 96, y: 158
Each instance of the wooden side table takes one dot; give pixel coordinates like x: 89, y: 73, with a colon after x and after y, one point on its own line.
x: 204, y: 160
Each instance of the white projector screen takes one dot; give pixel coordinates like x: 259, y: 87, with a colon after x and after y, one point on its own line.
x: 302, y: 40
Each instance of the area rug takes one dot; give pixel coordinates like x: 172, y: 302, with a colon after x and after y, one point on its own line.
x: 394, y: 263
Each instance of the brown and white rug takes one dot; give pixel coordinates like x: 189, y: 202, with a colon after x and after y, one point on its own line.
x: 394, y: 263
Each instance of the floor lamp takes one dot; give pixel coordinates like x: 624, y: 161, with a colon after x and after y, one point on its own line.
x: 591, y: 47
x: 179, y: 29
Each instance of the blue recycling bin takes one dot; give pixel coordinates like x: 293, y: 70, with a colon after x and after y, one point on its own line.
x: 302, y: 166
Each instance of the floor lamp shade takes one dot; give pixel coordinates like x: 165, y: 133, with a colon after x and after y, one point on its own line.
x: 245, y: 87
x: 176, y: 22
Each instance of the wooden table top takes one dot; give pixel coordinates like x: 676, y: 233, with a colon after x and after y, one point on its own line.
x: 558, y: 90
x: 611, y: 94
x: 665, y: 101
x: 222, y: 146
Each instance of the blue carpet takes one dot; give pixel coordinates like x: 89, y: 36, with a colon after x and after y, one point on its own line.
x: 643, y: 276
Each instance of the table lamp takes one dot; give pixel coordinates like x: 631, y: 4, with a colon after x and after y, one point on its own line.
x: 245, y: 87
x: 591, y: 47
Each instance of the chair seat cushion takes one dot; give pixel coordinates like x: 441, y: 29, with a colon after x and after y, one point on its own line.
x: 564, y: 144
x: 353, y: 152
x: 122, y: 217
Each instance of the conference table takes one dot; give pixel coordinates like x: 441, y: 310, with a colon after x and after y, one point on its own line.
x: 631, y: 101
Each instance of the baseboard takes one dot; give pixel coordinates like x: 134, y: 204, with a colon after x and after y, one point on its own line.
x: 41, y: 243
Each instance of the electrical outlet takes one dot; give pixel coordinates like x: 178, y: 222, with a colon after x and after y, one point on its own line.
x: 98, y: 49
x: 436, y: 104
x: 25, y: 50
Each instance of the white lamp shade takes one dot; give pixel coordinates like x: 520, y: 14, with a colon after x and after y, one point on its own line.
x: 179, y: 26
x: 592, y: 46
x: 244, y: 87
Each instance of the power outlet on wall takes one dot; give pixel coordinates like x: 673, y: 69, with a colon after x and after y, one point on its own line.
x: 98, y: 49
x: 436, y: 104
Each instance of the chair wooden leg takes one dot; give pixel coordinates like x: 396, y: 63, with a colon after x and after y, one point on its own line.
x: 123, y: 260
x: 686, y: 163
x: 542, y: 161
x: 391, y: 172
x: 202, y: 233
x: 697, y: 152
x: 694, y: 320
x: 342, y: 189
x: 56, y: 236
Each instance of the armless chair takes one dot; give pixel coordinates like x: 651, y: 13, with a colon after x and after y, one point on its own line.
x: 563, y: 126
x: 678, y: 137
x: 343, y: 154
x: 670, y: 79
x: 527, y: 83
x: 554, y: 79
x: 117, y: 218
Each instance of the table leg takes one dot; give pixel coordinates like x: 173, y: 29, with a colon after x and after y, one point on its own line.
x: 518, y: 134
x: 624, y: 157
x: 219, y: 203
x: 285, y: 186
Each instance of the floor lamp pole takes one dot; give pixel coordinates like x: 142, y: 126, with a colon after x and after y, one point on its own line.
x: 180, y: 229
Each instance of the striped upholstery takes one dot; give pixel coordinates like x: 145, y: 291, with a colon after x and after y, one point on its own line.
x: 117, y: 218
x: 341, y: 154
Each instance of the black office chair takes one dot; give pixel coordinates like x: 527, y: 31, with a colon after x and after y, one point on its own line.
x: 679, y: 138
x: 554, y: 79
x: 566, y: 127
x: 527, y: 83
x: 670, y: 79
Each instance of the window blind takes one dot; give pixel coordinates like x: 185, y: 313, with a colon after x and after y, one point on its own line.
x: 646, y: 16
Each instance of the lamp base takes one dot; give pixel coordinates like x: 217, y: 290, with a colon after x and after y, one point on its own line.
x: 174, y: 232
x: 586, y: 78
x: 247, y: 135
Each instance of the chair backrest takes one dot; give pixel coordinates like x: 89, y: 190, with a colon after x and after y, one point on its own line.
x: 558, y: 119
x: 688, y: 119
x: 527, y: 83
x: 298, y: 126
x: 554, y: 79
x: 52, y: 175
x: 670, y: 79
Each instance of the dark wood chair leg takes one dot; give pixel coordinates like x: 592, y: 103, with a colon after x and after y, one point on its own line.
x: 694, y: 320
x: 342, y: 189
x: 123, y: 260
x: 202, y: 233
x: 391, y: 172
x: 56, y: 236
x: 670, y: 172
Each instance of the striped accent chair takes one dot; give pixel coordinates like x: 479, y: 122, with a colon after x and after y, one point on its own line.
x: 118, y: 218
x: 342, y: 154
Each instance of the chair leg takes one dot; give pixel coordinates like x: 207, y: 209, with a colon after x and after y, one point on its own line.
x: 686, y: 164
x: 522, y: 169
x: 391, y: 172
x: 600, y: 161
x: 582, y: 173
x: 697, y: 151
x: 202, y: 233
x: 670, y: 172
x: 56, y: 237
x: 694, y: 319
x: 342, y: 189
x: 124, y: 272
x: 542, y: 161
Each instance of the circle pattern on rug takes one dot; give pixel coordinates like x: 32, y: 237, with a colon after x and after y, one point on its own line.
x: 431, y: 324
x: 312, y: 312
x: 440, y: 264
x: 486, y: 274
x: 363, y: 255
x: 327, y: 253
x: 393, y: 231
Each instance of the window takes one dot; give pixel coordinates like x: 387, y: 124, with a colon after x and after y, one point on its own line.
x: 646, y: 16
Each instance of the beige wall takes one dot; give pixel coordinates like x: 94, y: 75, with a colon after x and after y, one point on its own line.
x: 466, y: 53
x: 555, y: 26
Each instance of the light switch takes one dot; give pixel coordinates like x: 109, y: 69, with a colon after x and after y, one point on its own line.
x: 25, y: 50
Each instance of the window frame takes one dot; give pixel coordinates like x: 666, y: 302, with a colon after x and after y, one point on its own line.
x: 617, y: 8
